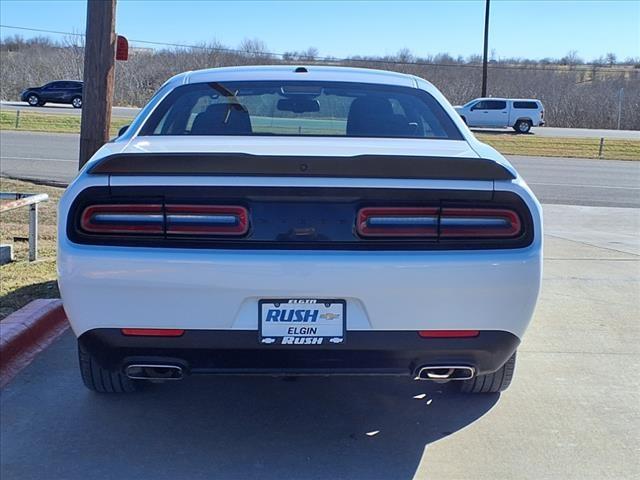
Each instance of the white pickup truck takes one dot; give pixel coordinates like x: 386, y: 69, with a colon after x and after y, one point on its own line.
x: 519, y: 113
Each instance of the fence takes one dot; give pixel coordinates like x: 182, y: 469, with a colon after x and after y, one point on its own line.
x: 23, y: 200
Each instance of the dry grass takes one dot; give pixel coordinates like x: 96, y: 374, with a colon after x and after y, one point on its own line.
x: 512, y: 144
x: 22, y: 281
x: 45, y: 122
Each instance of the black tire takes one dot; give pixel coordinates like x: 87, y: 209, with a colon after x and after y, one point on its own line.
x: 99, y: 379
x: 76, y: 101
x: 522, y: 126
x: 33, y: 100
x: 494, y: 382
x: 41, y: 103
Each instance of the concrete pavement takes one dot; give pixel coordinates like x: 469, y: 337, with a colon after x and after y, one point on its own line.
x: 53, y: 157
x: 573, y: 411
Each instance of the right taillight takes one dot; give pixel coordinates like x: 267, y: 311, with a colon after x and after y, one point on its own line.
x: 417, y: 222
x: 429, y: 223
x: 479, y: 223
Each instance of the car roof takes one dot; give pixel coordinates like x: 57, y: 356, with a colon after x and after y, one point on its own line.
x: 507, y: 99
x: 288, y: 72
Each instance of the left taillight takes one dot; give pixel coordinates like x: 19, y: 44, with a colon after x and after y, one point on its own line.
x: 123, y: 219
x: 167, y: 219
x: 206, y: 220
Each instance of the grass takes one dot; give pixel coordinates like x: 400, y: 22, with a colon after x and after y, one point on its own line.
x: 44, y: 122
x: 506, y: 143
x: 513, y: 144
x: 22, y: 281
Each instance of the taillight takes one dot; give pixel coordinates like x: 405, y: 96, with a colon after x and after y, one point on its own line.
x: 123, y: 218
x: 479, y: 222
x: 206, y: 219
x: 398, y: 222
x: 438, y: 223
x: 157, y: 219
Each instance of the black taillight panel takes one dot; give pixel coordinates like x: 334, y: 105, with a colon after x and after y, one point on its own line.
x: 300, y: 218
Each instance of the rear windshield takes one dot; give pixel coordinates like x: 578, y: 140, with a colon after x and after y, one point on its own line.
x: 301, y: 108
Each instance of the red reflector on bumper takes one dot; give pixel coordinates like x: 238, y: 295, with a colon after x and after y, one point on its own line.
x: 152, y: 332
x: 448, y: 333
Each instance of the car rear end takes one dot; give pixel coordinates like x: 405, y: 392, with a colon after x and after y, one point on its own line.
x: 299, y: 254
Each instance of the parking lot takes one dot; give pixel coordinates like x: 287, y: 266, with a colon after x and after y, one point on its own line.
x: 573, y: 411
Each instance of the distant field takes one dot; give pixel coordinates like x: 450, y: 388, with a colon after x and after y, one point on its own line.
x: 38, y: 122
x: 506, y: 143
x: 513, y: 144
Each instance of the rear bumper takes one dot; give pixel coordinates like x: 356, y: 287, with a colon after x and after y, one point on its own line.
x: 239, y: 352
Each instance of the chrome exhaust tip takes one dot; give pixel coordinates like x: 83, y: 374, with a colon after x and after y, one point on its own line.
x: 445, y: 373
x: 154, y: 372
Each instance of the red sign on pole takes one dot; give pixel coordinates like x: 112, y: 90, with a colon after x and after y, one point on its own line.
x: 122, y: 48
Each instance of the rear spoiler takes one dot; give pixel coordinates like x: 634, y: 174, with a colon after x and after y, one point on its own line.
x: 360, y: 166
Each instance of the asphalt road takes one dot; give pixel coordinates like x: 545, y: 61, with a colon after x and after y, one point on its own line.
x: 53, y: 157
x: 130, y: 112
x: 572, y: 412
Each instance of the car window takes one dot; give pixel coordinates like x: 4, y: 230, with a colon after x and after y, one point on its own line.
x: 527, y: 105
x: 300, y: 108
x: 495, y: 104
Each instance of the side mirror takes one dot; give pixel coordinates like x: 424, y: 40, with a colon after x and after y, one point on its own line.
x: 122, y: 130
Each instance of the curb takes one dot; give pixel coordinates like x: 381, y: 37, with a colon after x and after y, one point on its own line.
x: 27, y: 332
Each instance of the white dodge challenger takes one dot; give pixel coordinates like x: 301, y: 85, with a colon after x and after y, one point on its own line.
x: 298, y: 221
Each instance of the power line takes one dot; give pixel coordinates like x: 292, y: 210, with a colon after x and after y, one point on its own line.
x: 575, y: 68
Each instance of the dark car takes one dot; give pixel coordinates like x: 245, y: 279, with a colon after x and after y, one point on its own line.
x: 63, y: 91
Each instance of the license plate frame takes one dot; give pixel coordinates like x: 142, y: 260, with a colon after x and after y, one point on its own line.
x: 329, y: 326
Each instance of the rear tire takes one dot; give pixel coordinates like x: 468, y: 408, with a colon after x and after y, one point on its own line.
x: 522, y: 126
x: 100, y: 379
x: 495, y: 382
x: 76, y: 102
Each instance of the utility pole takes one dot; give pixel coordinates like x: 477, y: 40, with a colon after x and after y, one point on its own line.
x: 620, y: 95
x: 99, y: 76
x: 486, y: 49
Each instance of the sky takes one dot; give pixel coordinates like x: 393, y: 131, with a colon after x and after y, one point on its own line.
x: 519, y: 28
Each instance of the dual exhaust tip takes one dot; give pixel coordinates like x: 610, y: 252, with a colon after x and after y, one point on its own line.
x: 154, y: 372
x: 446, y: 373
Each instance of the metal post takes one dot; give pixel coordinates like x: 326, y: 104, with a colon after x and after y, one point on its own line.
x: 33, y: 232
x: 17, y: 119
x: 620, y: 95
x: 601, y: 147
x: 486, y: 50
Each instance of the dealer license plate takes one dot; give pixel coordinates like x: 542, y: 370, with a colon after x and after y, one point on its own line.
x: 304, y: 321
